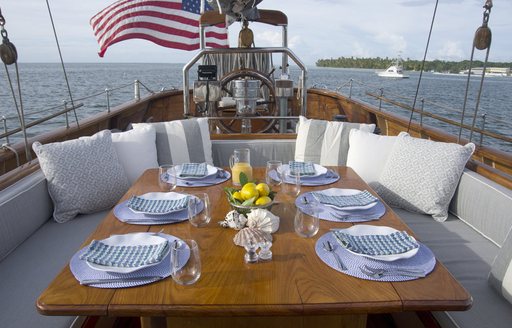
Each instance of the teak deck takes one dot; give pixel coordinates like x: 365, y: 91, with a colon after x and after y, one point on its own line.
x: 294, y: 289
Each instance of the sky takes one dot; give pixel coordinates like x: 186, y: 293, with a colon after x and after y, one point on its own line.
x: 317, y: 29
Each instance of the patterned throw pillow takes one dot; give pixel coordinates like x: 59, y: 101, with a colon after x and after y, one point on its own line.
x: 84, y: 175
x: 324, y: 142
x: 182, y: 141
x: 422, y: 175
x: 500, y: 277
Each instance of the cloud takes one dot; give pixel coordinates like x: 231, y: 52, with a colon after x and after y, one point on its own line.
x: 393, y: 42
x: 450, y: 50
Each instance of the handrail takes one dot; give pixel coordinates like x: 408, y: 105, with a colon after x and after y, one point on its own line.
x: 440, y: 118
x: 445, y: 108
x: 41, y: 120
x: 271, y: 50
x: 66, y: 109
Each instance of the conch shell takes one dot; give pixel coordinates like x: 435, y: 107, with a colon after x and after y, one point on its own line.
x: 234, y: 220
x: 263, y: 219
x: 248, y: 236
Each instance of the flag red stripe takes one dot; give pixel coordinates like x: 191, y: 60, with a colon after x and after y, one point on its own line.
x: 135, y: 13
x: 163, y: 29
x: 112, y: 11
x: 164, y: 43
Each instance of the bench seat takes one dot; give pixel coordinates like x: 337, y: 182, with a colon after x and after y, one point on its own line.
x: 468, y: 255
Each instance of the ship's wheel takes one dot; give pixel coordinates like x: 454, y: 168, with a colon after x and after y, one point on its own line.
x: 265, y: 107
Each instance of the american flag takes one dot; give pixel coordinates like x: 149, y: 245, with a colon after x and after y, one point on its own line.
x: 169, y: 23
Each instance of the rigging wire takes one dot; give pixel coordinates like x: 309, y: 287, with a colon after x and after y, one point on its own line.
x: 482, y: 40
x: 9, y: 56
x: 62, y: 63
x: 423, y: 64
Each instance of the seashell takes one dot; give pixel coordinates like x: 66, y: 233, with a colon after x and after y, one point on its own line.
x: 263, y: 219
x: 248, y: 236
x: 234, y: 220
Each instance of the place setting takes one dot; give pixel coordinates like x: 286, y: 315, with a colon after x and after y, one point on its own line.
x: 133, y: 259
x: 156, y: 208
x: 377, y: 253
x: 191, y: 175
x: 305, y: 173
x: 341, y: 205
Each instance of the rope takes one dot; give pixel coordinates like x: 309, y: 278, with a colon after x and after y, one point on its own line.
x: 423, y: 65
x: 62, y: 63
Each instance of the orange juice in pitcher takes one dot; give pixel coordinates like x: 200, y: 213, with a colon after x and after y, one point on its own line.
x: 240, y: 162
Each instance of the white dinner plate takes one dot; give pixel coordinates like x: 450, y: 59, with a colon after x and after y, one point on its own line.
x: 210, y: 170
x: 161, y: 196
x: 319, y: 170
x: 363, y: 229
x: 345, y: 192
x: 141, y: 238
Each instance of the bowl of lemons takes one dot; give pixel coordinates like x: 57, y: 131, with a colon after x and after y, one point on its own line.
x: 251, y: 195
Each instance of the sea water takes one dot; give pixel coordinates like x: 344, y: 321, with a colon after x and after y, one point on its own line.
x: 44, y: 91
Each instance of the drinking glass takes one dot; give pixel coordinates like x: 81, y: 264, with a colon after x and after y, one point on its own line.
x: 272, y: 175
x: 290, y: 184
x: 167, y: 177
x: 189, y: 272
x: 306, y: 225
x: 199, y: 209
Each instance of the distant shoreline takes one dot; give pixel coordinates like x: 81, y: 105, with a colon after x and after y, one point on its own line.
x: 453, y: 67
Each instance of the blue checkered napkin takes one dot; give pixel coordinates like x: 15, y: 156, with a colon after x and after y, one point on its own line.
x: 394, y: 243
x: 193, y: 170
x: 301, y: 168
x: 360, y: 199
x: 125, y: 256
x: 156, y: 206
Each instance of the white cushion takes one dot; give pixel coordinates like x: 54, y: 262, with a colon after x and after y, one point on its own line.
x: 422, y: 175
x: 501, y: 272
x: 368, y: 153
x: 323, y: 142
x: 136, y: 150
x: 84, y: 175
x: 182, y: 141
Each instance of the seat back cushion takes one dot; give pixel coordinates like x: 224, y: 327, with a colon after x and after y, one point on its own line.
x: 182, y: 141
x: 24, y: 207
x: 136, y: 150
x: 323, y: 142
x: 421, y: 175
x: 84, y: 175
x: 501, y: 272
x: 368, y: 152
x: 484, y: 205
x: 261, y: 150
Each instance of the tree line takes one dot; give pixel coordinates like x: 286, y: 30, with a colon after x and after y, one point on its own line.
x: 408, y: 64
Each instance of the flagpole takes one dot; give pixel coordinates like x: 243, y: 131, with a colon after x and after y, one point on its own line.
x: 202, y: 43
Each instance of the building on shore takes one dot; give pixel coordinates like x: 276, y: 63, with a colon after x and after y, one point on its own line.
x: 490, y: 71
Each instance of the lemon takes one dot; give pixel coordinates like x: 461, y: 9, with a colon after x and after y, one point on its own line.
x: 236, y: 195
x: 249, y: 191
x: 263, y: 200
x: 263, y: 189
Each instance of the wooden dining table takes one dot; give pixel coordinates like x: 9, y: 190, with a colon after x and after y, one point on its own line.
x: 294, y: 289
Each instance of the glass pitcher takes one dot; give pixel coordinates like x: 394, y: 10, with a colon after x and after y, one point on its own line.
x: 239, y: 162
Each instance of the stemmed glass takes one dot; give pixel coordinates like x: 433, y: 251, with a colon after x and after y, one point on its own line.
x: 272, y: 175
x: 167, y: 177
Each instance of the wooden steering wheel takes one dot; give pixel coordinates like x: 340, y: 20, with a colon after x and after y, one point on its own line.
x: 267, y: 107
